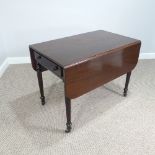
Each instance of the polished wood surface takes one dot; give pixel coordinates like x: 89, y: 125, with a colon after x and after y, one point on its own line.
x: 85, y: 62
x: 84, y: 77
x: 74, y: 49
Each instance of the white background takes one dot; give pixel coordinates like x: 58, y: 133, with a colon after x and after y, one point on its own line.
x: 23, y: 22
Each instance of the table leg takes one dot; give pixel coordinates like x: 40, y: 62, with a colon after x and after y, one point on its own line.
x: 127, y: 83
x: 68, y: 115
x: 40, y: 82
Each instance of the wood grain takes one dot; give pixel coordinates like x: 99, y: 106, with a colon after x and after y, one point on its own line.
x: 75, y: 49
x: 92, y: 73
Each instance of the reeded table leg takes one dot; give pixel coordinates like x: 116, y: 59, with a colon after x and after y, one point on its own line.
x: 40, y: 82
x: 127, y: 83
x: 68, y: 115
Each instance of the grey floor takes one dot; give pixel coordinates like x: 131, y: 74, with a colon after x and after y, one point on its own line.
x: 104, y: 122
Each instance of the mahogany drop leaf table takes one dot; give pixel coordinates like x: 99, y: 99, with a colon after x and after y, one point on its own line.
x: 85, y: 62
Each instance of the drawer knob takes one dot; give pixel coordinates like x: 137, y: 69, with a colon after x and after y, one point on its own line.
x: 55, y: 68
x: 39, y: 57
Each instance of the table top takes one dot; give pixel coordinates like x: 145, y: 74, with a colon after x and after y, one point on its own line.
x: 70, y: 50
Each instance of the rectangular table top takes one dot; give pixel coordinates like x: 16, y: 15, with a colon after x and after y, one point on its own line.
x: 70, y: 50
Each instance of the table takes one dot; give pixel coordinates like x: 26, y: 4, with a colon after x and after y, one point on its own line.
x: 85, y: 62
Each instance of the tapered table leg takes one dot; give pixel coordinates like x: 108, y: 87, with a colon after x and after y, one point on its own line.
x: 68, y: 115
x: 40, y: 82
x: 127, y: 83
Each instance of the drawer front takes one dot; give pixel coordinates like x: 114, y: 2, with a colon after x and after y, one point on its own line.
x: 56, y: 69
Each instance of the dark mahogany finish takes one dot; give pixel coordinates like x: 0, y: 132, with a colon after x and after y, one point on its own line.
x: 84, y: 77
x: 85, y: 62
x: 40, y: 82
x: 68, y: 114
x: 127, y: 83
